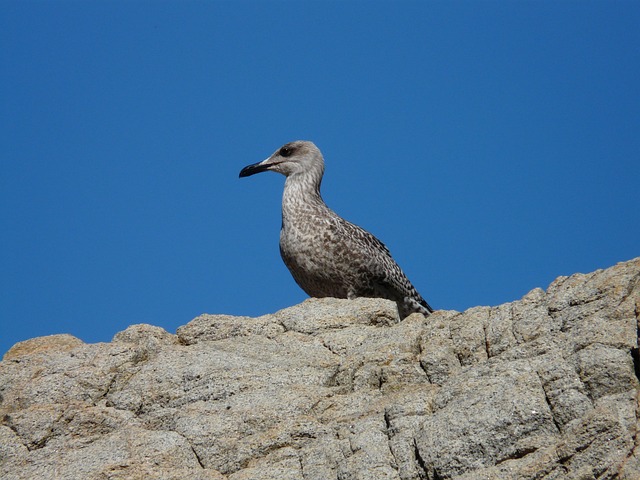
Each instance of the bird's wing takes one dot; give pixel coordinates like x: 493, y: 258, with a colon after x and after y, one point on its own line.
x: 385, y: 272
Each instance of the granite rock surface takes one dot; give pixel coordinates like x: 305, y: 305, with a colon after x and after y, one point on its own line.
x: 545, y: 387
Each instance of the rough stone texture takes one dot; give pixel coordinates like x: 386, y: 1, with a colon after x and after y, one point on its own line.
x: 542, y: 388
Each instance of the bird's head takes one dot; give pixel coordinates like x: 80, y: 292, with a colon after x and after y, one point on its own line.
x: 299, y: 157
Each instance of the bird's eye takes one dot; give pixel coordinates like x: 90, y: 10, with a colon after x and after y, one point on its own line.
x: 285, y: 151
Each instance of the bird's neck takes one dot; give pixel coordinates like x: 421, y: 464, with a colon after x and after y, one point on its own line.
x: 301, y: 196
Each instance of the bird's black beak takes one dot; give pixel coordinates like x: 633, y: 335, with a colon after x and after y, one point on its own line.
x: 253, y: 169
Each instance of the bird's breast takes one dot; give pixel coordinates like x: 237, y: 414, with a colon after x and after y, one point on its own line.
x: 311, y: 241
x: 309, y: 250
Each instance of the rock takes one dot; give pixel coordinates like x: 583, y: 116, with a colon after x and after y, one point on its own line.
x: 56, y: 343
x: 542, y: 388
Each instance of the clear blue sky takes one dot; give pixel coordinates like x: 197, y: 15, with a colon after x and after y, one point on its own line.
x: 493, y: 146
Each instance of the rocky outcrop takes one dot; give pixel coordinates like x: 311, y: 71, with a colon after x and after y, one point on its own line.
x: 542, y: 388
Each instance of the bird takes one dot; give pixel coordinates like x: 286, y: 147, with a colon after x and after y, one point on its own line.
x: 327, y: 255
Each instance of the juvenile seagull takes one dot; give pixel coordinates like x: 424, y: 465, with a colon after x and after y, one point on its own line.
x: 328, y: 256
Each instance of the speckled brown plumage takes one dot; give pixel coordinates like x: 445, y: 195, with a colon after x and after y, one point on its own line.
x: 328, y: 256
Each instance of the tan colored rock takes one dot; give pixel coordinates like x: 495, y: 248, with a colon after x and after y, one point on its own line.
x: 545, y: 387
x: 58, y: 343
